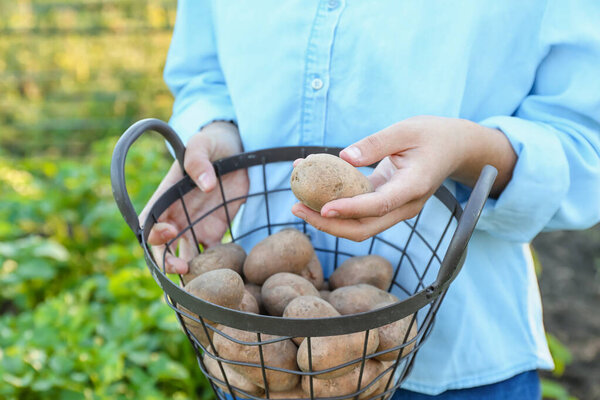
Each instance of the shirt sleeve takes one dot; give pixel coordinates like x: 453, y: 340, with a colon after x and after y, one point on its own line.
x: 193, y: 73
x: 555, y: 133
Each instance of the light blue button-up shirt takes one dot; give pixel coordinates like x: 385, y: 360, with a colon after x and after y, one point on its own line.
x: 331, y: 72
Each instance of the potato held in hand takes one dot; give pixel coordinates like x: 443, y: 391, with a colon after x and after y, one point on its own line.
x: 321, y: 178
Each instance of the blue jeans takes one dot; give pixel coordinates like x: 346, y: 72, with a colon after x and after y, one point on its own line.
x: 525, y: 386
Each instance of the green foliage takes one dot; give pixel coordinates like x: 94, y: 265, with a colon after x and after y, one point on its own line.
x: 72, y: 72
x: 554, y: 390
x: 560, y: 354
x: 562, y: 357
x: 537, y: 265
x: 80, y: 317
x: 83, y: 317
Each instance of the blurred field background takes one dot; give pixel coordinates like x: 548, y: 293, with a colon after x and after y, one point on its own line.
x: 80, y: 317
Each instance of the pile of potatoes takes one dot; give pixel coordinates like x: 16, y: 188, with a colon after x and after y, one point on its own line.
x: 282, y: 276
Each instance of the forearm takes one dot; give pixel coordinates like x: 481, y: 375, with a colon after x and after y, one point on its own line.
x: 480, y: 146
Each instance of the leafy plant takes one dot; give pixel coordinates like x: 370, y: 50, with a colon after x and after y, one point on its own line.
x: 554, y: 390
x: 561, y: 355
x: 83, y: 318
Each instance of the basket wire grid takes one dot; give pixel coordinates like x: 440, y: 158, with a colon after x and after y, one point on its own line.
x: 418, y: 303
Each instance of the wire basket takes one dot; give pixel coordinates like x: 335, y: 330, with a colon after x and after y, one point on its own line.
x: 427, y: 258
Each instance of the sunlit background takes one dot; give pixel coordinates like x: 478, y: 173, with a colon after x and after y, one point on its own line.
x: 80, y: 317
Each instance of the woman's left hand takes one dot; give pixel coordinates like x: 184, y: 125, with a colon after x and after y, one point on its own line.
x: 416, y: 156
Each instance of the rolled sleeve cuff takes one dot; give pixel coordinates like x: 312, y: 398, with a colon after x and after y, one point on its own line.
x: 539, y: 182
x: 189, y: 118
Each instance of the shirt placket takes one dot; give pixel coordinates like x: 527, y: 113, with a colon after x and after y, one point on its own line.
x: 317, y: 71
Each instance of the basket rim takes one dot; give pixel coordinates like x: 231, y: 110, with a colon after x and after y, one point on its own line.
x: 276, y: 325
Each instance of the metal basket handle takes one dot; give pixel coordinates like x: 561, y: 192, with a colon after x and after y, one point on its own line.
x: 117, y: 166
x: 466, y: 225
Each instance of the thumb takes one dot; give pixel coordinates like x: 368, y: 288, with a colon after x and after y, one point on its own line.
x: 377, y: 146
x: 197, y: 162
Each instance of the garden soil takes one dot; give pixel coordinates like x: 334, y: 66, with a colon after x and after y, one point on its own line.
x: 570, y: 286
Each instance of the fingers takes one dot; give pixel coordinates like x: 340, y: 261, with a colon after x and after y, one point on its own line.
x: 174, y: 265
x: 355, y: 229
x: 198, y: 163
x: 161, y: 233
x: 384, y: 172
x: 376, y: 204
x: 375, y: 147
x: 187, y: 249
x: 400, y: 191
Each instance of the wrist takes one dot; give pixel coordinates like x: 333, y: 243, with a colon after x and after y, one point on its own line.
x: 220, y: 127
x: 481, y: 145
x: 221, y: 138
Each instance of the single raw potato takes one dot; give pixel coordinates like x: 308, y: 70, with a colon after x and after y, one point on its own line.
x: 248, y: 303
x: 372, y: 269
x: 321, y: 178
x: 308, y: 307
x: 331, y: 351
x: 348, y: 383
x: 282, y: 288
x: 255, y: 291
x: 222, y: 287
x: 388, y: 367
x: 358, y: 298
x: 295, y: 393
x: 393, y: 334
x: 229, y: 256
x: 288, y: 250
x: 236, y: 380
x: 313, y: 272
x: 281, y: 354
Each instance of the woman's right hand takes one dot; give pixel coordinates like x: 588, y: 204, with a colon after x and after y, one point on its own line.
x: 216, y: 140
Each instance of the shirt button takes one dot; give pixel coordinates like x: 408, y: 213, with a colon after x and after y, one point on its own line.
x: 333, y: 4
x: 316, y: 84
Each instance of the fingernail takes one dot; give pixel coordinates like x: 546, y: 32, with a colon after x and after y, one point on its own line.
x: 203, y: 181
x: 354, y: 153
x: 182, y: 269
x: 332, y: 214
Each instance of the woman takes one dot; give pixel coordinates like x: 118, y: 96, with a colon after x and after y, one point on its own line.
x: 435, y: 90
